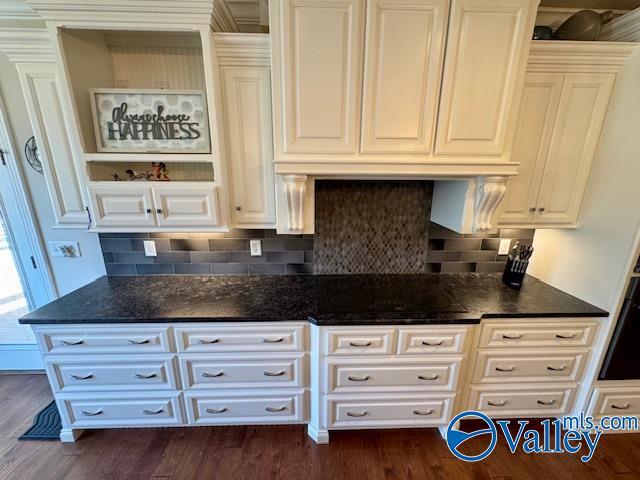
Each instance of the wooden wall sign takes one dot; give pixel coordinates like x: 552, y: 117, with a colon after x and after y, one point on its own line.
x: 151, y: 121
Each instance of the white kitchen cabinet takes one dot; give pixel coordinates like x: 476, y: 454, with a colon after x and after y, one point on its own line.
x: 186, y: 206
x: 41, y: 88
x: 581, y: 113
x: 487, y: 46
x: 317, y: 54
x: 122, y: 205
x: 248, y: 135
x: 140, y: 205
x: 558, y: 130
x: 404, y: 46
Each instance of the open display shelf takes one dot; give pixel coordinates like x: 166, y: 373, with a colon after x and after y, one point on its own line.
x: 177, y: 172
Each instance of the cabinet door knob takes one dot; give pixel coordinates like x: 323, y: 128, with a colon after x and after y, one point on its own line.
x: 357, y: 414
x: 158, y: 210
x: 238, y: 209
x: 423, y: 412
x: 541, y: 209
x: 148, y: 210
x: 532, y: 209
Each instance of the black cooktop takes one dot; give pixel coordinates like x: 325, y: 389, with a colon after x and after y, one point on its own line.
x: 388, y: 294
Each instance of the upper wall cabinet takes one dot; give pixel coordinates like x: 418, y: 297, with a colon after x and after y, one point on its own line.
x: 319, y: 54
x: 487, y: 47
x: 357, y: 84
x: 404, y: 47
x: 563, y: 108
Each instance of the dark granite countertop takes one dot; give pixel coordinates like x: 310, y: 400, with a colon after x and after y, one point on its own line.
x: 323, y: 300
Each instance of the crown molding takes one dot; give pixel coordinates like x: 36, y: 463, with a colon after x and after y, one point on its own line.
x: 27, y: 45
x: 222, y: 19
x: 577, y: 57
x: 250, y: 49
x: 622, y: 29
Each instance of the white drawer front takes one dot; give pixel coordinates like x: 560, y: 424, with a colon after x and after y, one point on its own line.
x: 383, y: 374
x: 70, y: 373
x: 537, y: 334
x: 528, y: 365
x: 433, y: 340
x: 365, y: 412
x: 256, y: 338
x: 616, y: 401
x: 366, y: 341
x: 239, y: 407
x: 246, y: 371
x: 112, y: 339
x: 523, y: 400
x: 120, y: 409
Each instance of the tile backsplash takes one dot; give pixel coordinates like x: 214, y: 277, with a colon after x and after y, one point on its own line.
x: 225, y: 253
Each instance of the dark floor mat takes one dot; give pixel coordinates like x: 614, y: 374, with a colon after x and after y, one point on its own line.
x: 46, y: 425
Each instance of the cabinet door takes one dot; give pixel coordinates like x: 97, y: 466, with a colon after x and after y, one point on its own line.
x: 317, y: 61
x: 40, y: 85
x: 581, y: 113
x: 534, y: 127
x: 487, y: 48
x: 186, y: 206
x: 247, y: 110
x: 124, y: 205
x: 403, y: 63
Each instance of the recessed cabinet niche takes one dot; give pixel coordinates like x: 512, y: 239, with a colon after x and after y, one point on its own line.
x: 149, y: 61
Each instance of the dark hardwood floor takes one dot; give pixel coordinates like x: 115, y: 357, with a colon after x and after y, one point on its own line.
x: 272, y: 452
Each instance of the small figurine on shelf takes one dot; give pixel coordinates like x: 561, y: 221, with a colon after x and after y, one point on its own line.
x: 160, y: 171
x: 133, y: 175
x: 116, y: 177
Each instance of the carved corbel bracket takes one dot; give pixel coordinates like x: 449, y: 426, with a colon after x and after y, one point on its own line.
x: 294, y: 187
x: 489, y: 192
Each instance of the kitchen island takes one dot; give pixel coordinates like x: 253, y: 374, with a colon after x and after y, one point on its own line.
x: 334, y: 351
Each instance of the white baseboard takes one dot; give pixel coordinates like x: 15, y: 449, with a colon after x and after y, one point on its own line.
x: 20, y: 357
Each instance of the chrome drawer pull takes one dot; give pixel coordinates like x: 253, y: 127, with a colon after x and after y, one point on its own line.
x: 152, y: 412
x: 433, y: 376
x: 621, y: 407
x: 542, y: 402
x: 217, y: 410
x: 512, y: 337
x: 507, y: 369
x: 556, y: 369
x: 202, y: 341
x: 358, y: 379
x: 143, y: 376
x: 423, y: 412
x: 70, y: 344
x: 355, y: 344
x: 501, y: 403
x: 274, y: 374
x: 81, y: 377
x: 565, y: 337
x: 139, y: 342
x: 432, y: 344
x: 91, y: 414
x: 273, y: 340
x: 357, y: 414
x: 275, y: 409
x: 211, y: 375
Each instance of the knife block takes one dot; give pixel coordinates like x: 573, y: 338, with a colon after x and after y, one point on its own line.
x: 514, y: 272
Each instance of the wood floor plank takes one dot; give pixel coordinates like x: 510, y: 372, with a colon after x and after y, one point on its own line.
x: 274, y: 452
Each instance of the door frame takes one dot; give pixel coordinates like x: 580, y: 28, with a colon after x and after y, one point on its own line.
x: 24, y: 234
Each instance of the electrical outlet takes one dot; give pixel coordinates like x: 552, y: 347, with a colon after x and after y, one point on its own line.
x: 64, y: 249
x: 256, y: 248
x: 503, y: 249
x: 150, y: 248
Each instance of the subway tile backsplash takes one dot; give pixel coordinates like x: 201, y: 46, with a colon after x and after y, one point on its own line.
x: 228, y: 253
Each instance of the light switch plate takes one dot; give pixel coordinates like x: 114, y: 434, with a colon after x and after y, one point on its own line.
x: 255, y: 247
x: 503, y: 249
x: 64, y: 248
x: 150, y: 248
